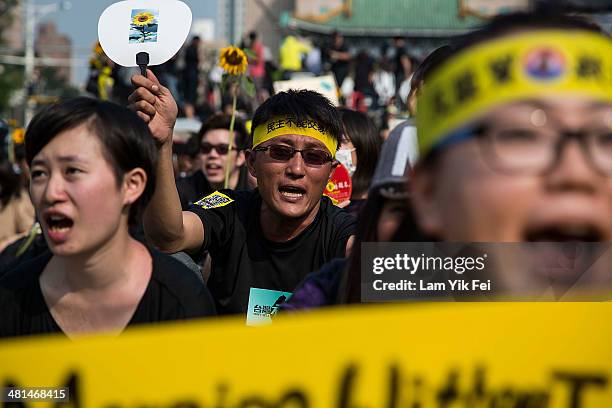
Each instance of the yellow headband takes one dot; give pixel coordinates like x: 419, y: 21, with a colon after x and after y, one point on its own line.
x: 523, y: 66
x: 290, y: 126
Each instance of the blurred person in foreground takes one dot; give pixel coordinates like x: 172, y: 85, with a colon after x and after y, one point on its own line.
x: 92, y: 173
x: 268, y: 238
x: 515, y: 136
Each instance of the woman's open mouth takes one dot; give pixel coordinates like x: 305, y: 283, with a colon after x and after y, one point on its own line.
x: 58, y: 227
x: 581, y: 232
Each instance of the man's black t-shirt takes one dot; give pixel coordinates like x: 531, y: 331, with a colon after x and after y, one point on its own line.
x: 192, y: 187
x: 196, y: 186
x: 242, y: 258
x: 173, y: 293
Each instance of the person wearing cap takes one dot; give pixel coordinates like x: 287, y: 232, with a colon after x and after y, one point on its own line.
x: 339, y: 281
x: 268, y: 238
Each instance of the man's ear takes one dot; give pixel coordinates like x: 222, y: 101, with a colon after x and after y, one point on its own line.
x: 423, y: 200
x: 250, y: 161
x: 134, y: 183
x: 240, y: 158
x: 334, y: 164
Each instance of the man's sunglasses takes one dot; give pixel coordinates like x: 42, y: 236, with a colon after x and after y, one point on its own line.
x: 313, y: 157
x: 222, y: 149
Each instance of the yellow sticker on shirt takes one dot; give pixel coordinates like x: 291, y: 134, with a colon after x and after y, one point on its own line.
x: 214, y: 200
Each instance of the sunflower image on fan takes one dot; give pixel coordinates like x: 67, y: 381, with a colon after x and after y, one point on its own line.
x: 233, y: 60
x: 142, y: 19
x: 143, y: 26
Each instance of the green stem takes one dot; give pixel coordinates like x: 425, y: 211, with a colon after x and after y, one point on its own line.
x: 228, y: 162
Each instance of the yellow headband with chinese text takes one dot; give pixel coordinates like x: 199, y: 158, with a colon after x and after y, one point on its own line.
x: 288, y: 126
x: 523, y: 66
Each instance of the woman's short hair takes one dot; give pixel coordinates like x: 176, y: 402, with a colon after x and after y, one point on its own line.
x: 126, y: 139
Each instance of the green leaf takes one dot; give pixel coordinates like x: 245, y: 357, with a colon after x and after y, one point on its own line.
x: 247, y: 84
x: 249, y: 53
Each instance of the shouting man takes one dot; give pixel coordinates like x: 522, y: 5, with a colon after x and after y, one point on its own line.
x: 262, y: 242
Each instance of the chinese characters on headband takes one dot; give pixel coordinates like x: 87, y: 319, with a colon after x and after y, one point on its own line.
x: 289, y: 122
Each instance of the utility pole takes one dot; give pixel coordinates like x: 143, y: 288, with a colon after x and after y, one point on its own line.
x: 29, y: 59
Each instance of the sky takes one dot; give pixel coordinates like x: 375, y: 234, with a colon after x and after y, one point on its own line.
x: 80, y: 23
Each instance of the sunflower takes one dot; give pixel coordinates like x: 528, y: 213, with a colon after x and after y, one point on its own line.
x: 97, y: 49
x: 143, y: 19
x: 233, y: 60
x: 18, y: 136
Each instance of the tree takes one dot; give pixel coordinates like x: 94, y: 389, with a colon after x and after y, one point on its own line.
x: 6, y: 15
x: 11, y: 76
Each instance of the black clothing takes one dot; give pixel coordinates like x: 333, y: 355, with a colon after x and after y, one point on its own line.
x: 340, y: 68
x: 399, y: 54
x: 9, y: 258
x: 173, y: 293
x: 167, y: 68
x: 242, y: 257
x: 355, y: 206
x: 192, y: 188
x: 190, y: 73
x: 196, y: 186
x: 363, y: 70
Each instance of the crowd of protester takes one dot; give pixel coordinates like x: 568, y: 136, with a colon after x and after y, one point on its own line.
x: 131, y: 227
x: 376, y: 82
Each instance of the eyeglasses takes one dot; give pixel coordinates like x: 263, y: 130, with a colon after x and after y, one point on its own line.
x: 313, y: 157
x: 523, y: 149
x: 537, y: 150
x: 222, y: 149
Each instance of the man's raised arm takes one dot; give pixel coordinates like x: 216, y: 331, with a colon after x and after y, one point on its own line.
x: 166, y: 226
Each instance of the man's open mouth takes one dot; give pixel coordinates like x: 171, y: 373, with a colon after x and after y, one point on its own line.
x: 213, y: 166
x: 292, y: 192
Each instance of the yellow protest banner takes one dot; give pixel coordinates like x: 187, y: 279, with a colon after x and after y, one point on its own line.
x: 419, y: 355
